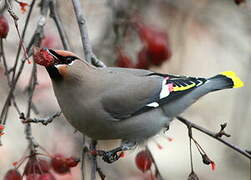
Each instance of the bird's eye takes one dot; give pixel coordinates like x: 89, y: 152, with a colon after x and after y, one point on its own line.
x: 69, y: 59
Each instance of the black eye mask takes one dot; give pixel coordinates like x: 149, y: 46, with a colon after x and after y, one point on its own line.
x: 62, y: 59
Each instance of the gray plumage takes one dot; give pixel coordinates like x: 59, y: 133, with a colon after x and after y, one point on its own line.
x: 115, y: 103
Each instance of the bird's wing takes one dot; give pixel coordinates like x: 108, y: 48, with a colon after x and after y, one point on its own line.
x: 136, y: 94
x: 173, y: 88
x: 129, y: 93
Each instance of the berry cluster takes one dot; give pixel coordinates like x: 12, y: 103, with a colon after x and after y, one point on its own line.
x: 155, y: 50
x: 39, y: 168
x: 4, y: 27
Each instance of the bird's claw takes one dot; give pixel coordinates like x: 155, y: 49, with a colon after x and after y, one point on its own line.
x: 110, y: 157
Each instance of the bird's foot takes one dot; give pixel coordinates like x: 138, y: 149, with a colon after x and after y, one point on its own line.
x: 114, y: 154
x: 109, y: 156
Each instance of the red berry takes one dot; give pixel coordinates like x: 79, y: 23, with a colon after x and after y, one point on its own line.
x: 1, y: 127
x: 213, y: 165
x: 43, y: 57
x: 13, y: 174
x: 143, y: 62
x: 4, y: 27
x: 72, y: 161
x: 123, y: 60
x: 36, y: 165
x: 156, y: 43
x: 32, y: 177
x: 59, y: 165
x: 143, y: 160
x: 47, y: 176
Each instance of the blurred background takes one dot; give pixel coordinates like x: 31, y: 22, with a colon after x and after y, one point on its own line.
x: 204, y: 37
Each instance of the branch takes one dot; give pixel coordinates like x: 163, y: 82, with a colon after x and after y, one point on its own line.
x: 55, y: 16
x: 213, y: 135
x: 27, y: 20
x: 45, y: 121
x: 157, y: 173
x: 93, y: 145
x: 89, y: 55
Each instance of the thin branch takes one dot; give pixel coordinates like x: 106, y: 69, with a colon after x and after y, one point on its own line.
x: 33, y: 78
x: 154, y: 162
x: 6, y: 70
x: 55, y: 16
x: 93, y: 145
x: 45, y: 121
x: 83, y: 29
x: 89, y: 55
x: 213, y: 135
x: 190, y: 148
x: 101, y: 174
x: 83, y: 157
x: 27, y: 20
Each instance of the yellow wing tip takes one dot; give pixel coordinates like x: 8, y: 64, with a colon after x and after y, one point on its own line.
x: 236, y: 80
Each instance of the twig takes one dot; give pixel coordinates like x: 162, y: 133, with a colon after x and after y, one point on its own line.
x: 14, y: 80
x: 27, y: 20
x: 6, y: 70
x: 93, y: 145
x: 222, y: 131
x: 32, y: 86
x: 83, y: 29
x: 55, y: 16
x: 83, y: 157
x: 214, y: 135
x: 154, y: 162
x: 45, y: 121
x: 101, y: 174
x: 89, y: 55
x: 190, y: 148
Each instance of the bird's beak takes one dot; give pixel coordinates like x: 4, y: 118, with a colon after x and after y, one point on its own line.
x: 54, y: 53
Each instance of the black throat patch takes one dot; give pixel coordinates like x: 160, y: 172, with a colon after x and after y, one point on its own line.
x: 54, y: 73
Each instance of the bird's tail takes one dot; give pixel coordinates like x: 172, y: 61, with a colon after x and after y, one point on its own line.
x: 223, y: 80
x: 227, y: 79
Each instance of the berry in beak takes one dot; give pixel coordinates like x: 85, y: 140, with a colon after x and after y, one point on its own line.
x: 43, y: 57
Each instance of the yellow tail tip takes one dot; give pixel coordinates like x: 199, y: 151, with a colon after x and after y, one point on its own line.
x: 236, y: 80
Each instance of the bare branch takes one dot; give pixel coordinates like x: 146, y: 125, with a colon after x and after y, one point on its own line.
x: 83, y: 29
x: 93, y: 145
x: 27, y: 20
x: 101, y: 174
x: 89, y: 55
x: 213, y: 135
x: 55, y: 16
x: 154, y: 162
x: 45, y: 121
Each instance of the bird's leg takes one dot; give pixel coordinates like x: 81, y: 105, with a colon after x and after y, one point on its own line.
x: 112, y: 155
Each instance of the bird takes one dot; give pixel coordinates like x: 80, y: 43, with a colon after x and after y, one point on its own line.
x: 122, y: 103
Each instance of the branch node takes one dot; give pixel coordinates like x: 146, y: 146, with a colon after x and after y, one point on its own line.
x: 222, y: 131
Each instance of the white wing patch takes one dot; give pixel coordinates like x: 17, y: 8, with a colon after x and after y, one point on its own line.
x: 166, y: 89
x: 153, y: 104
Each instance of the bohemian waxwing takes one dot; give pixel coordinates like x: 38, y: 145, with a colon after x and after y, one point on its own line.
x: 121, y: 103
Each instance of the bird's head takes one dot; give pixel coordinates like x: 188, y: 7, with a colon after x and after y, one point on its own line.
x: 56, y: 62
